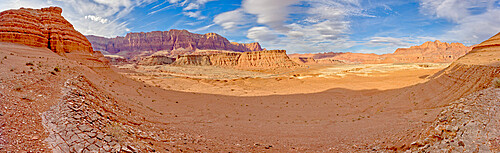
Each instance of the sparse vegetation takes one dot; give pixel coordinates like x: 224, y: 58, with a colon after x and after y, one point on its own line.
x: 496, y: 82
x: 17, y: 88
x: 116, y: 130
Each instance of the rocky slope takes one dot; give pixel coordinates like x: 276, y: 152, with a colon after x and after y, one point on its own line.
x: 465, y: 125
x: 42, y: 28
x: 429, y: 52
x: 181, y: 41
x: 257, y: 59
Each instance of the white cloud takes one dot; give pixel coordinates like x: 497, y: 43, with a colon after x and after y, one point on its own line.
x: 196, y: 14
x: 196, y: 4
x: 389, y: 41
x: 272, y: 13
x: 190, y: 7
x: 476, y: 20
x: 321, y: 26
x: 97, y: 19
x: 202, y: 28
x: 262, y: 34
x: 232, y: 20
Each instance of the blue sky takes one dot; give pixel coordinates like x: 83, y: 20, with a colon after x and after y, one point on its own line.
x: 299, y: 26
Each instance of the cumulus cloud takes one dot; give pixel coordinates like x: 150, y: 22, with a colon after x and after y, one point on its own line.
x: 196, y: 4
x: 232, y: 19
x: 262, y: 34
x: 195, y: 14
x: 476, y: 20
x: 323, y: 25
x: 97, y: 19
x: 316, y: 25
x: 271, y: 13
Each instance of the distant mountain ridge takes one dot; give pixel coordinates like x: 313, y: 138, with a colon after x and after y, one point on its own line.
x: 428, y: 52
x: 180, y: 41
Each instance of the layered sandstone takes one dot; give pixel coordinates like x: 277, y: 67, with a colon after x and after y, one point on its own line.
x: 257, y: 59
x: 461, y: 123
x: 156, y: 60
x: 172, y: 40
x: 429, y: 52
x: 44, y: 27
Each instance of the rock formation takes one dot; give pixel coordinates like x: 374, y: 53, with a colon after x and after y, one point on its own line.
x: 116, y: 60
x: 429, y: 52
x: 257, y: 59
x: 465, y: 124
x: 311, y: 60
x: 156, y: 60
x: 174, y: 40
x: 42, y: 28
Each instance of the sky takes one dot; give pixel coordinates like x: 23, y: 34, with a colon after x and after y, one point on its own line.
x: 298, y: 26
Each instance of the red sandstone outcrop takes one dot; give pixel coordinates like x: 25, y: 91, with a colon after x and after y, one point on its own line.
x: 429, y: 52
x: 173, y: 40
x: 257, y: 59
x: 156, y: 60
x: 42, y: 28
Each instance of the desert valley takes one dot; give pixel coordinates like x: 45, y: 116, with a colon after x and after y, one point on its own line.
x: 179, y: 91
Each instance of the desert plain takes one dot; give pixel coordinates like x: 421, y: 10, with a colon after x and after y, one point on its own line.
x: 59, y: 93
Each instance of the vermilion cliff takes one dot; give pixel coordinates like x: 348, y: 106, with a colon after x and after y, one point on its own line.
x: 435, y: 52
x: 179, y: 41
x: 257, y: 59
x: 42, y: 28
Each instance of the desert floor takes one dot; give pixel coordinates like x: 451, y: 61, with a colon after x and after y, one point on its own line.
x: 321, y: 107
x: 342, y: 108
x: 300, y: 80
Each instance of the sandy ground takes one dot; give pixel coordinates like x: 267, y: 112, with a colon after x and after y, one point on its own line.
x: 365, y: 108
x: 308, y: 79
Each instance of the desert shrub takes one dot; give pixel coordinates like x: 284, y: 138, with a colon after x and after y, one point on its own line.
x: 496, y: 83
x: 29, y: 64
x: 57, y: 69
x: 18, y: 88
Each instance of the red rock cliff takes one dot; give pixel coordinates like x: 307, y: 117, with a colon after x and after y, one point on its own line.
x: 42, y: 28
x: 257, y: 59
x: 168, y: 40
x: 429, y: 52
